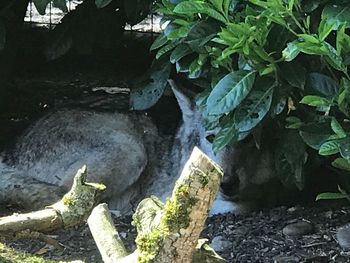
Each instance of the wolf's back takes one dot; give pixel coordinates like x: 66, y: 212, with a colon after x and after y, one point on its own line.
x: 114, y: 146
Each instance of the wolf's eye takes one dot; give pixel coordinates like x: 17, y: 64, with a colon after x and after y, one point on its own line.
x: 210, y: 138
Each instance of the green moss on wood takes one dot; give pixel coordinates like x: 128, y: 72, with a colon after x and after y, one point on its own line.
x: 149, y: 245
x: 175, y: 217
x: 176, y: 210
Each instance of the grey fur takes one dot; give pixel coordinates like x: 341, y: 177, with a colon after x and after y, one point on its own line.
x: 123, y: 151
x: 343, y: 237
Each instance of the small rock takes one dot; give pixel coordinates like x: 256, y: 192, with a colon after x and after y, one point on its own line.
x: 220, y: 244
x: 328, y: 214
x: 239, y: 231
x: 285, y: 259
x: 343, y: 236
x: 122, y: 234
x: 298, y: 229
x: 294, y: 209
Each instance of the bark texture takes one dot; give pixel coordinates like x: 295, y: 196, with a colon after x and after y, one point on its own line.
x: 170, y: 233
x: 72, y: 209
x: 105, y: 235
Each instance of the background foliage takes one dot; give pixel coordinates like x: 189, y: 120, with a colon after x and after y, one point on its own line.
x: 278, y: 66
x: 93, y: 25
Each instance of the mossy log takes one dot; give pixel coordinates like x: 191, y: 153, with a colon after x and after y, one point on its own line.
x: 72, y: 209
x: 169, y: 232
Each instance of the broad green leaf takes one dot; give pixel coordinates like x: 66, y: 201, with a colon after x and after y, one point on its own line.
x: 315, y: 101
x: 102, y: 3
x: 41, y: 5
x: 279, y: 20
x: 201, y: 33
x: 197, y: 64
x: 343, y: 41
x: 331, y: 196
x: 179, y: 52
x: 165, y: 49
x: 322, y: 84
x: 177, y: 33
x: 183, y: 65
x: 329, y: 148
x: 201, y: 98
x: 230, y: 91
x: 227, y: 134
x: 264, y: 4
x: 195, y: 7
x: 333, y: 58
x: 2, y: 35
x: 315, y: 134
x: 150, y: 94
x: 291, y: 51
x: 311, y: 48
x: 291, y: 5
x: 344, y: 148
x: 337, y: 128
x: 267, y: 70
x: 342, y: 164
x: 337, y: 14
x: 259, y: 51
x: 293, y: 122
x: 160, y: 41
x: 290, y: 157
x: 312, y: 39
x: 344, y: 97
x: 229, y: 5
x: 325, y: 28
x: 210, y: 122
x: 218, y: 5
x: 181, y: 22
x: 279, y: 106
x: 255, y: 107
x: 173, y: 31
x: 314, y: 140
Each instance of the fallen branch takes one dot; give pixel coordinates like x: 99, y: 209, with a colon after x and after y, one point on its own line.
x: 105, y: 235
x: 167, y: 232
x: 72, y: 209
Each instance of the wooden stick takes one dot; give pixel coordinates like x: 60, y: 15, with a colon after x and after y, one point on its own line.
x: 105, y: 235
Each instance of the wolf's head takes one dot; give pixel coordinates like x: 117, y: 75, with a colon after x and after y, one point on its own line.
x: 245, y: 166
x: 193, y: 133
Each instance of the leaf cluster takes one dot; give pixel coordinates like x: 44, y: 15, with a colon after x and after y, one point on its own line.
x: 267, y: 62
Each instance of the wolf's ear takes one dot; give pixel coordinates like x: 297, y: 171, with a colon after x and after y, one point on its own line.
x: 186, y: 104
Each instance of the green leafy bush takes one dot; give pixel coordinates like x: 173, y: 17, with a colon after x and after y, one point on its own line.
x: 273, y: 63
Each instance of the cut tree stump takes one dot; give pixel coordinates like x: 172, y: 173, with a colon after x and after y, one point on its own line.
x: 72, y: 209
x: 167, y: 232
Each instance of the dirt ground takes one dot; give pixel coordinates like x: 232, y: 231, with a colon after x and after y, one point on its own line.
x: 255, y: 237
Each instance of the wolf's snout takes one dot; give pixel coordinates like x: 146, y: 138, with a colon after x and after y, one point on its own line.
x: 230, y: 184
